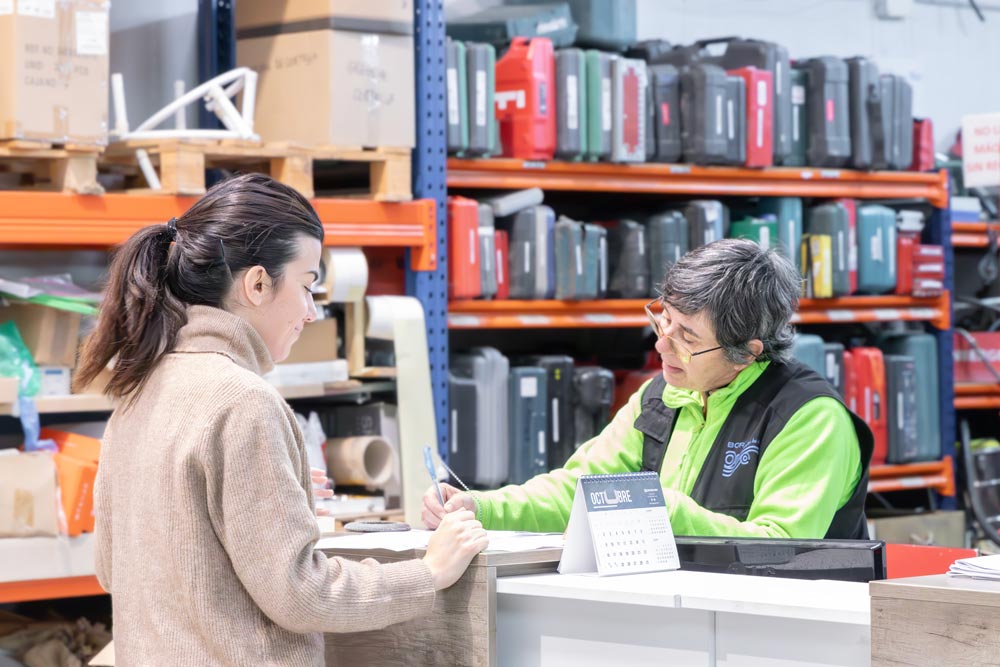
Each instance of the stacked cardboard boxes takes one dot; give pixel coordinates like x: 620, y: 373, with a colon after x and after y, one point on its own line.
x: 331, y: 72
x: 54, y: 71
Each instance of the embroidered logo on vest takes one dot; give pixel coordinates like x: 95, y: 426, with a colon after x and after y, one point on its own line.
x: 738, y: 454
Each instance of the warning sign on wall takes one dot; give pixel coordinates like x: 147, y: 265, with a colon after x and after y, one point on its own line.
x: 981, y: 150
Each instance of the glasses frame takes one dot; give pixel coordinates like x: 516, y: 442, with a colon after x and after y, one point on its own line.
x: 679, y: 349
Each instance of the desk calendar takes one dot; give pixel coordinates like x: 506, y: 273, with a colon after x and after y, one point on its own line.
x: 619, y: 525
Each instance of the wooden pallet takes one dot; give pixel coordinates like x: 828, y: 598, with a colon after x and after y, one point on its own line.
x: 181, y: 166
x: 34, y: 165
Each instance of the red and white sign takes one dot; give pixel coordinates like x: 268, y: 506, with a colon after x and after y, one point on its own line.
x: 981, y: 150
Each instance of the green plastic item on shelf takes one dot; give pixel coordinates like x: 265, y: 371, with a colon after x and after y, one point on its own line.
x: 763, y: 231
x: 64, y: 303
x: 16, y: 360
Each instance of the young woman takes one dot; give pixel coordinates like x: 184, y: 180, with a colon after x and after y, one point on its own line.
x: 204, y: 502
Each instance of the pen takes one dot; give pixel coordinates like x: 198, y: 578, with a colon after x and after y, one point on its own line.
x: 429, y: 462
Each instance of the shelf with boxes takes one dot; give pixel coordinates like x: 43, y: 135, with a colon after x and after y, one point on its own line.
x: 35, y: 219
x: 900, y: 276
x: 527, y: 314
x: 353, y: 390
x: 685, y: 179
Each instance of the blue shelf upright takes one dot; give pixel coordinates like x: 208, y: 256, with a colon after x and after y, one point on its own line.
x: 429, y: 182
x: 939, y: 233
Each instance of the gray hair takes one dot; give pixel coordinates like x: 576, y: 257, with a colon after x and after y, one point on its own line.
x: 747, y: 293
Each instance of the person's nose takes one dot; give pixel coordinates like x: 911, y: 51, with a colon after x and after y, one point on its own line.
x: 663, y: 346
x: 311, y: 312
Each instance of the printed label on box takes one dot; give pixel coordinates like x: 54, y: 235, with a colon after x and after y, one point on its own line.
x: 91, y: 33
x: 43, y: 9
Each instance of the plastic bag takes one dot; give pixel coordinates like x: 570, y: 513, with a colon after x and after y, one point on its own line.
x: 315, y: 439
x: 16, y: 360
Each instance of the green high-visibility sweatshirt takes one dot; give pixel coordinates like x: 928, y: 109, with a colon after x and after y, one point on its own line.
x: 805, y: 475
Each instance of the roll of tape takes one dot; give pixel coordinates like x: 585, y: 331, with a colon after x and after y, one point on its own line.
x: 346, y: 278
x: 384, y: 311
x: 360, y: 461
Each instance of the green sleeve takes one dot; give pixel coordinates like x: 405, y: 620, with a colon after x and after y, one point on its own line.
x: 543, y: 503
x: 806, y: 474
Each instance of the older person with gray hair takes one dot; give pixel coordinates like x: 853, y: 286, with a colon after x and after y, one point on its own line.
x: 747, y: 441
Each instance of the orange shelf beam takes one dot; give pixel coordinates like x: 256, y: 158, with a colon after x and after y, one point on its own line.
x: 971, y: 234
x: 937, y: 475
x: 970, y: 396
x: 42, y: 219
x: 49, y: 589
x: 508, y: 173
x: 622, y: 313
x: 973, y: 389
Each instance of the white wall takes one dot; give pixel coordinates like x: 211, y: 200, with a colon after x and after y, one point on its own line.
x: 952, y: 59
x: 154, y: 43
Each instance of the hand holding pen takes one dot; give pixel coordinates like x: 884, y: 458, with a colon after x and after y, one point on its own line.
x: 442, y: 498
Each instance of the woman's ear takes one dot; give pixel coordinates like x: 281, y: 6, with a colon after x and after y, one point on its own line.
x: 255, y: 285
x: 756, y: 348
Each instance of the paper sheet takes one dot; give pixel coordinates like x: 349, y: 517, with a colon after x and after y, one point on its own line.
x: 983, y: 567
x: 500, y: 540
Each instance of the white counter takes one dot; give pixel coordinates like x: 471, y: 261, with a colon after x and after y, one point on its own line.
x: 681, y: 618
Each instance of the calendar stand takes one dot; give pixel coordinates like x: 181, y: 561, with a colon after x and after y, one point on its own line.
x: 619, y: 525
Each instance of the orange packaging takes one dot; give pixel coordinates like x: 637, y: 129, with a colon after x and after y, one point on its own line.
x: 78, y: 446
x: 76, y: 487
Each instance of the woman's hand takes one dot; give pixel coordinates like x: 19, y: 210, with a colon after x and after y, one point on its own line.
x: 321, y: 489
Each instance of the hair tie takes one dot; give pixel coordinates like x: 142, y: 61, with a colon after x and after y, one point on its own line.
x: 172, y: 228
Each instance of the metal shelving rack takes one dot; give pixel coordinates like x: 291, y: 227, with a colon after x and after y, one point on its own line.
x: 508, y: 174
x: 429, y: 164
x: 55, y: 220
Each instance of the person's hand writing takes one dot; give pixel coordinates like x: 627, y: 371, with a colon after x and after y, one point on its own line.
x: 454, y: 500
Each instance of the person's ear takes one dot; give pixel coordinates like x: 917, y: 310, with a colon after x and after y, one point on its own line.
x: 756, y: 348
x: 256, y: 284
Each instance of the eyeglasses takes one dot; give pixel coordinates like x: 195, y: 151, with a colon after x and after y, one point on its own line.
x: 677, y: 347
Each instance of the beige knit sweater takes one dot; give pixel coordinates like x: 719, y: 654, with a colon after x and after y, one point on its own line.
x: 205, y: 531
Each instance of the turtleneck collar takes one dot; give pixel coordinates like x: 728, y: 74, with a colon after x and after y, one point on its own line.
x: 213, y: 330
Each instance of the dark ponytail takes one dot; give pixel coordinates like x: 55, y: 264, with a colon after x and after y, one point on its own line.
x: 243, y: 222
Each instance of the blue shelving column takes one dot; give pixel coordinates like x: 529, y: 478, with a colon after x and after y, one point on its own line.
x: 216, y: 47
x: 939, y: 233
x: 429, y: 165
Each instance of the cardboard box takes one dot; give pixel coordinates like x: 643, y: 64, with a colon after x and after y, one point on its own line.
x: 333, y: 87
x: 52, y: 335
x: 97, y: 386
x: 54, y: 71
x: 306, y: 374
x: 28, y: 506
x: 944, y: 529
x: 377, y: 16
x: 318, y: 342
x: 76, y: 490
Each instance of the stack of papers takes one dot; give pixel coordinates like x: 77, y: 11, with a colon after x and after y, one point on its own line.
x: 983, y: 567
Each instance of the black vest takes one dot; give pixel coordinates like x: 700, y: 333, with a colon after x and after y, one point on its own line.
x: 726, y: 481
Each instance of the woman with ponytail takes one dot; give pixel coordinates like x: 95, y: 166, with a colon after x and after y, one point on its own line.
x: 205, y: 528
